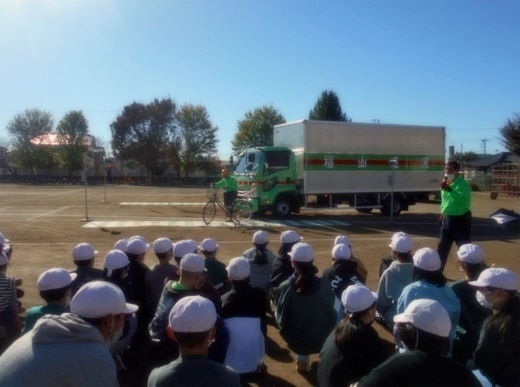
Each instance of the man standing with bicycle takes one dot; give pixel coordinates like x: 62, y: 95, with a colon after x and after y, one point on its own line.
x: 229, y: 184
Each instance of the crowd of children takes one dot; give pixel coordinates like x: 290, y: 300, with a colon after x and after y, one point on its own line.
x: 192, y: 320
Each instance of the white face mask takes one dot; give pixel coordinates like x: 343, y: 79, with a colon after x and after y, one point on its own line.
x: 450, y: 176
x: 481, y: 299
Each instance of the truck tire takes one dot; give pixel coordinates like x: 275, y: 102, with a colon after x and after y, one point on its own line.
x: 282, y: 207
x: 398, y: 207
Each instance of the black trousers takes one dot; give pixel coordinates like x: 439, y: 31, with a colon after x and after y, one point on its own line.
x: 229, y: 198
x: 453, y: 229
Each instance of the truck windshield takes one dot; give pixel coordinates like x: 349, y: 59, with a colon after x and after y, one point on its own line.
x: 249, y: 162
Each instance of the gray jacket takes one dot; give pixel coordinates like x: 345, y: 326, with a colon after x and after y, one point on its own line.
x: 59, y: 351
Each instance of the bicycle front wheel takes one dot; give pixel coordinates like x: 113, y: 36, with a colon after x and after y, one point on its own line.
x: 241, y: 211
x: 210, y: 209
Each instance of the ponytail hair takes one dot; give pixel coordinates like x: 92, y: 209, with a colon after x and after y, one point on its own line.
x: 305, y: 272
x: 260, y: 257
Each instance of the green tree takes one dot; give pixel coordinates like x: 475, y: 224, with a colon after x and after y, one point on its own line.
x: 144, y: 132
x: 256, y: 129
x: 23, y: 129
x: 74, y: 139
x: 511, y: 134
x: 198, y: 138
x: 328, y: 108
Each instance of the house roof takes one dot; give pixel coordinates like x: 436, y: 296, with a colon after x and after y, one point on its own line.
x: 53, y: 139
x: 488, y: 161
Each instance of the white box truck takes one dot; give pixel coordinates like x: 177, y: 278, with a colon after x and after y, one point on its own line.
x: 324, y: 163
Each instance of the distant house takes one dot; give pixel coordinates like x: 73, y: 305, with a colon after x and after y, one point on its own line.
x: 93, y: 158
x: 501, y: 172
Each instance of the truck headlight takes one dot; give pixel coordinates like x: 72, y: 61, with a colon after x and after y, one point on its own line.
x: 254, y: 191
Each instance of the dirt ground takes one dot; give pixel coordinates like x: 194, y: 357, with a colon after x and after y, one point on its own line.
x: 45, y: 222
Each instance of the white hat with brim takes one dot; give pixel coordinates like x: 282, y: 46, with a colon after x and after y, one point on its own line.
x: 238, y: 269
x: 342, y: 239
x: 427, y: 315
x: 341, y: 252
x: 401, y: 243
x: 98, y: 299
x: 192, y: 314
x: 209, y: 245
x: 496, y: 277
x: 162, y: 245
x: 290, y: 236
x: 121, y: 244
x: 137, y: 246
x: 193, y: 263
x: 301, y: 252
x: 427, y: 259
x: 357, y: 297
x: 182, y: 248
x: 83, y: 252
x: 56, y: 278
x: 470, y: 253
x: 260, y: 237
x: 3, y: 239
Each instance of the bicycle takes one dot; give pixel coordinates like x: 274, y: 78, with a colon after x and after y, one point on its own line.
x: 240, y: 212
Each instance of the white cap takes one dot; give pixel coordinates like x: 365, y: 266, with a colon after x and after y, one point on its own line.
x: 193, y: 263
x: 260, y: 237
x: 238, y: 269
x: 137, y: 246
x: 341, y: 251
x: 427, y: 315
x: 3, y: 239
x: 192, y: 314
x: 290, y: 236
x: 401, y: 243
x: 427, y: 259
x: 182, y: 248
x: 115, y: 259
x: 56, y: 278
x: 209, y: 245
x: 138, y: 237
x: 162, y: 245
x: 98, y: 299
x: 122, y: 244
x: 3, y: 259
x: 496, y: 277
x: 470, y: 253
x: 342, y: 239
x: 302, y: 252
x: 357, y: 297
x: 83, y: 252
x: 194, y: 245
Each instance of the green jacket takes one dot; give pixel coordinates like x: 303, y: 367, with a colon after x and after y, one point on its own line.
x: 457, y: 201
x: 228, y: 183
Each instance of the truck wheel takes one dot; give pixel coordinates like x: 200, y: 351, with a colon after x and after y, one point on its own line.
x: 385, y: 210
x: 282, y: 208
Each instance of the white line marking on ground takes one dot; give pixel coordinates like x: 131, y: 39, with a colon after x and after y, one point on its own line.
x: 159, y: 204
x: 46, y: 213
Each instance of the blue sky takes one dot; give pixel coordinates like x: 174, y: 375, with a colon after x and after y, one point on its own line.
x: 426, y: 62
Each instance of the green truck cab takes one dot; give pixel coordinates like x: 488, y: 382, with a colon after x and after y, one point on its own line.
x: 269, y: 174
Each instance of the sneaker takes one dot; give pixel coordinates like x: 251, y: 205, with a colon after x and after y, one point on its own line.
x: 303, y: 366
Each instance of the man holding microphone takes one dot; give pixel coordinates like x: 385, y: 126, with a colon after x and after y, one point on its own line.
x: 455, y: 212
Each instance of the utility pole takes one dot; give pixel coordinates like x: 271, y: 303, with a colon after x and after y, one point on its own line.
x: 484, y: 141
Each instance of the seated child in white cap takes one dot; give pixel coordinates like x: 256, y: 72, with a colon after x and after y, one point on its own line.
x: 54, y: 287
x: 353, y: 348
x: 84, y: 255
x: 191, y: 323
x: 71, y: 348
x: 282, y: 268
x: 424, y: 329
x: 497, y: 354
x: 394, y: 279
x: 304, y: 307
x: 261, y: 260
x: 471, y: 262
x: 430, y: 283
x: 215, y: 270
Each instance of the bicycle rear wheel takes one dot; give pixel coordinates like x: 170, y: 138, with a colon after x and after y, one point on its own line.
x: 241, y: 211
x: 208, y: 214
